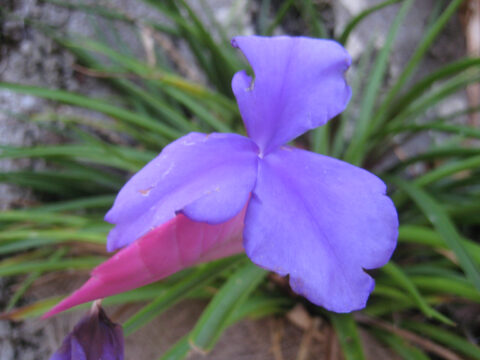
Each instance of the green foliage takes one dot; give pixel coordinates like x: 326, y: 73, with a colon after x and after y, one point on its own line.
x: 436, y: 266
x: 348, y: 335
x: 200, y: 278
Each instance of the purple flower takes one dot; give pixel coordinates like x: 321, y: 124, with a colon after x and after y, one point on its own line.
x: 95, y: 337
x: 320, y: 220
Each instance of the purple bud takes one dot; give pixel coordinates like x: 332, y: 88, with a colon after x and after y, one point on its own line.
x: 95, y: 337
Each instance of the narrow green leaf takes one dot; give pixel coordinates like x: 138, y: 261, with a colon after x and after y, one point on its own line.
x: 445, y: 337
x: 435, y: 154
x: 442, y: 286
x: 144, y: 293
x: 348, y: 336
x: 259, y: 306
x: 320, y: 140
x: 447, y: 170
x: 31, y: 279
x: 106, y: 12
x: 279, y: 16
x: 40, y: 307
x: 202, y: 113
x: 92, y: 154
x: 313, y: 19
x: 384, y: 288
x: 174, y: 85
x: 441, y: 126
x: 97, y: 105
x: 356, y: 150
x: 432, y: 98
x: 343, y: 38
x: 28, y: 267
x: 387, y: 307
x: 426, y: 82
x: 36, y: 309
x: 204, y: 274
x: 401, y: 279
x: 405, y: 350
x: 252, y: 306
x: 42, y: 218
x: 444, y: 226
x: 415, y: 59
x: 346, y: 117
x: 426, y: 236
x: 58, y: 234
x: 263, y: 15
x: 50, y: 182
x: 85, y: 203
x: 26, y: 244
x: 230, y: 296
x: 178, y: 351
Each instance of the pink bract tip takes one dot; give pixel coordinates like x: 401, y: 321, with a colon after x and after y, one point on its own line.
x: 171, y: 247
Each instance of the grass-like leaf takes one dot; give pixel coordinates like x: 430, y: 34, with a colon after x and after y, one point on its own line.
x: 231, y: 295
x: 352, y: 24
x: 356, y: 149
x: 415, y: 59
x: 440, y: 220
x: 348, y: 336
x: 201, y: 277
x: 97, y: 105
x: 404, y: 281
x: 448, y: 338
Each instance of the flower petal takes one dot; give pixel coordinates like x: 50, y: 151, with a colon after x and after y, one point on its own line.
x: 207, y: 177
x: 322, y: 221
x: 171, y: 247
x: 95, y: 336
x: 299, y: 85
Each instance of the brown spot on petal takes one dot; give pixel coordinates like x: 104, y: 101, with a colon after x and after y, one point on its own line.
x: 145, y: 192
